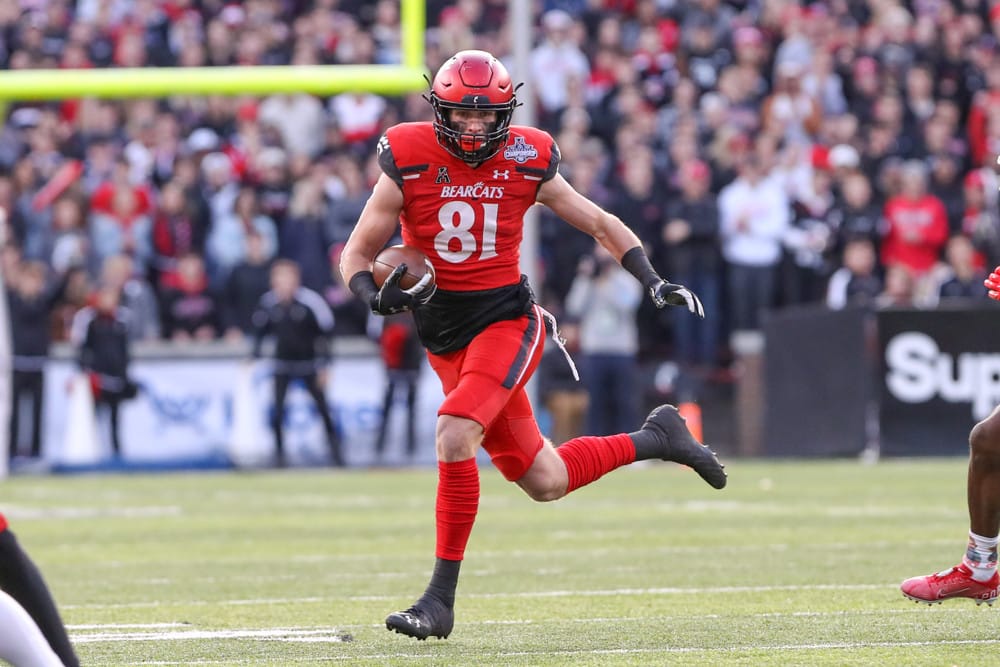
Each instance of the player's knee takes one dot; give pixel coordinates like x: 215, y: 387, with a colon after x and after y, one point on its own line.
x: 457, y: 439
x: 546, y: 480
x: 985, y: 436
x: 545, y: 492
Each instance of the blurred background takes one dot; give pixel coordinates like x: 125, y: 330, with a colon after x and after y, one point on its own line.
x: 821, y: 174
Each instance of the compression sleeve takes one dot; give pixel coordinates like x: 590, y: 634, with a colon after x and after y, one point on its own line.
x: 362, y: 284
x: 637, y: 263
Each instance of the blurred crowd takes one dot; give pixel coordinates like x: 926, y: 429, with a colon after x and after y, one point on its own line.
x: 769, y: 153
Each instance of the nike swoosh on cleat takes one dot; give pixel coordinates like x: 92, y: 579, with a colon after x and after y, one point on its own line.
x: 943, y: 594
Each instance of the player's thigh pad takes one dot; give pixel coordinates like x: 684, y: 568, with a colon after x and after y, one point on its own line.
x: 480, y: 380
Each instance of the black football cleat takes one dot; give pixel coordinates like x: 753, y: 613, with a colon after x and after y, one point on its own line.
x: 427, y: 617
x: 681, y: 447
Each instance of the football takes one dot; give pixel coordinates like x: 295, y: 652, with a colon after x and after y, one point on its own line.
x: 388, y: 259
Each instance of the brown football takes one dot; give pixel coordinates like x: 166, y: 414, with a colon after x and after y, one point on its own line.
x: 389, y: 258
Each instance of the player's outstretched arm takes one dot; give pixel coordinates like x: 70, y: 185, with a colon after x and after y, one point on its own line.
x: 993, y: 284
x: 618, y: 239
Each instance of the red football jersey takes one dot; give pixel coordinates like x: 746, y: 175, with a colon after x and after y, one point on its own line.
x: 468, y: 221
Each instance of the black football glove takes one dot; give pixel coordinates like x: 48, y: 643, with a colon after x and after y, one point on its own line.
x: 392, y: 298
x: 669, y: 294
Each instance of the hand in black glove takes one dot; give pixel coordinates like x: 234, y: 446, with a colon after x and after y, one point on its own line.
x: 392, y: 298
x: 669, y: 294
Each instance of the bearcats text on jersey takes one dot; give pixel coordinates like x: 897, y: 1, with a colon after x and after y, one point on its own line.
x: 478, y: 191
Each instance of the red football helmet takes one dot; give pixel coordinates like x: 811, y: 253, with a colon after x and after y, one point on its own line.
x: 472, y: 80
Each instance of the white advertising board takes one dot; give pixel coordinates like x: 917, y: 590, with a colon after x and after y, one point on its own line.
x: 185, y: 412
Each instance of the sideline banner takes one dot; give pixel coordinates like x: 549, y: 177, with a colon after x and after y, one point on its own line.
x: 185, y: 412
x: 940, y: 374
x: 818, y: 382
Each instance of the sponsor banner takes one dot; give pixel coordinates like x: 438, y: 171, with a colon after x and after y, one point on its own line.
x: 939, y: 375
x: 185, y: 411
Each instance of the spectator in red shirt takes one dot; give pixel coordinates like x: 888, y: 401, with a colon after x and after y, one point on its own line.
x: 917, y: 223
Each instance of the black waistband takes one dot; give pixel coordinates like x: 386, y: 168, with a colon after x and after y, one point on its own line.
x: 451, y: 320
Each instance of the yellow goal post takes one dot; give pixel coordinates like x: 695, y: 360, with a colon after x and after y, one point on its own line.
x: 56, y: 84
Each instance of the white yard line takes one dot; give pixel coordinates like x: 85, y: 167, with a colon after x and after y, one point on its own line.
x: 561, y: 553
x: 668, y: 590
x: 752, y: 647
x: 196, y: 603
x: 327, y: 635
x: 126, y: 626
x: 22, y: 513
x: 956, y: 609
x: 720, y: 548
x: 492, y: 596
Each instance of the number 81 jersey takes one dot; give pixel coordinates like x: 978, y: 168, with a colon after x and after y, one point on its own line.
x: 468, y: 220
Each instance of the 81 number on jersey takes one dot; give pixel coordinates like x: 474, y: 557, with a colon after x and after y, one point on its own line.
x: 457, y: 218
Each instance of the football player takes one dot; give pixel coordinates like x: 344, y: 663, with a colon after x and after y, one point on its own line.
x: 301, y: 322
x: 460, y: 187
x: 976, y: 576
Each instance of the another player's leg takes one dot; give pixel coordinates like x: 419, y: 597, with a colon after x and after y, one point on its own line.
x: 114, y: 405
x: 14, y: 421
x: 281, y: 381
x: 332, y: 436
x: 411, y: 415
x: 383, y: 427
x: 457, y: 440
x: 21, y: 642
x: 976, y: 576
x: 21, y: 580
x: 37, y: 389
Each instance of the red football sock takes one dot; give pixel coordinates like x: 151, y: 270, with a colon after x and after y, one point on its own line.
x: 457, y: 504
x: 591, y: 457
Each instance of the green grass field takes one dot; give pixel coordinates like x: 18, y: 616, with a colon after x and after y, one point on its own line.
x: 793, y: 564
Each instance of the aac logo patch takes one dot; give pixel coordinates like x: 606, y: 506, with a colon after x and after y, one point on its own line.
x: 520, y: 152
